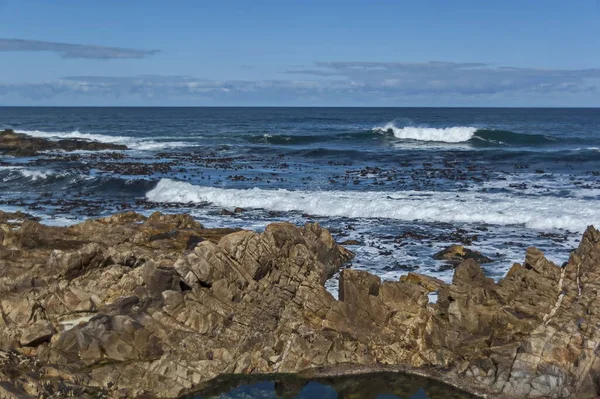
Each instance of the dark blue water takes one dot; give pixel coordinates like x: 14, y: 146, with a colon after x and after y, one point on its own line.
x: 402, y: 182
x: 369, y: 386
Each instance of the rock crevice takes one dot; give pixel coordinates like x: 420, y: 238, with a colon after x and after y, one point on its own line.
x: 125, y: 306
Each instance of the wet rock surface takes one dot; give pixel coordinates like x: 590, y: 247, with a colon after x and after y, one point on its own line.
x: 455, y: 254
x: 22, y: 145
x: 135, y: 306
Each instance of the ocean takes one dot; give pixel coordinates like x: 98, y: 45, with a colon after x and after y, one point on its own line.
x: 396, y: 184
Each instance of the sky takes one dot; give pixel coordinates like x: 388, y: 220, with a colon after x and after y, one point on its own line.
x: 522, y: 53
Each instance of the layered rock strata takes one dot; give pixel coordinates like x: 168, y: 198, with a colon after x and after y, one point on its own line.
x: 134, y: 306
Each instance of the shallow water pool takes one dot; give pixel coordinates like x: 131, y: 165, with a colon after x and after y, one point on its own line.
x: 369, y: 386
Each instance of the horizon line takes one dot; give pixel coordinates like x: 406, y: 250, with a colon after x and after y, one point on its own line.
x: 296, y: 106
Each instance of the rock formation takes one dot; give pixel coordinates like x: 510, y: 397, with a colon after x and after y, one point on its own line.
x: 455, y: 254
x: 131, y: 306
x: 22, y: 145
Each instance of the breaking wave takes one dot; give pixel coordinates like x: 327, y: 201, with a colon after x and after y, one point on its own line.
x: 130, y: 142
x: 8, y: 173
x: 463, y: 134
x: 457, y: 134
x: 496, y: 209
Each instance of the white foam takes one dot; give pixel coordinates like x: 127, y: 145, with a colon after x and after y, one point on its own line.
x: 32, y: 174
x: 35, y: 174
x: 131, y: 142
x: 456, y: 134
x: 432, y: 206
x: 48, y: 220
x: 76, y: 134
x: 155, y: 145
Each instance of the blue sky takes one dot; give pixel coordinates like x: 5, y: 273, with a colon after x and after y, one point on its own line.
x: 358, y: 53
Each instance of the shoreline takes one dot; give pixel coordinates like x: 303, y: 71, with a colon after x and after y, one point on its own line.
x: 113, y: 296
x: 388, y: 225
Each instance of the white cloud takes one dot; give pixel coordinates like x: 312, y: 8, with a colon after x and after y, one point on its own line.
x: 68, y: 50
x: 335, y: 83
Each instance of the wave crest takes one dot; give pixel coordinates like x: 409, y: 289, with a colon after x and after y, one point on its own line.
x: 433, y: 206
x: 15, y: 172
x: 456, y: 134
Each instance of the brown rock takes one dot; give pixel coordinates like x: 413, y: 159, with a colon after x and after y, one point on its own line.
x: 37, y: 333
x: 431, y: 284
x: 160, y: 317
x: 455, y: 254
x: 22, y: 145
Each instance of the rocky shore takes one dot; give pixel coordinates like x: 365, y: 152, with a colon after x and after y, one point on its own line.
x: 23, y: 145
x: 135, y: 306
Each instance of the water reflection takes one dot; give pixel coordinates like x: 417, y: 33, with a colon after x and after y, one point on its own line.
x: 368, y: 386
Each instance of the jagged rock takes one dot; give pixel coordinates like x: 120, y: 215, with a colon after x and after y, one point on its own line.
x: 431, y: 284
x: 22, y: 145
x: 456, y: 254
x: 140, y: 310
x: 321, y: 242
x: 37, y: 333
x: 159, y: 279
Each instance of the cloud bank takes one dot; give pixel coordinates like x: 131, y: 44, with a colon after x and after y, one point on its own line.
x: 450, y: 77
x: 329, y: 83
x: 67, y: 50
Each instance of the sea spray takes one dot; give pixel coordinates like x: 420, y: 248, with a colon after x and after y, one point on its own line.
x: 462, y: 134
x: 455, y: 134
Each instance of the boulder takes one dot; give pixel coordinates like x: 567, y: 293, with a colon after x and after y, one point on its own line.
x: 37, y: 333
x: 455, y: 254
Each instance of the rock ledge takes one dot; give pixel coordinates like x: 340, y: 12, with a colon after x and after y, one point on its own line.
x: 23, y: 145
x: 131, y: 306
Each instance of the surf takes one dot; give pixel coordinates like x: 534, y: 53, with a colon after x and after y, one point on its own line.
x: 455, y: 134
x: 429, y: 206
x: 140, y: 144
x: 10, y: 173
x: 476, y: 136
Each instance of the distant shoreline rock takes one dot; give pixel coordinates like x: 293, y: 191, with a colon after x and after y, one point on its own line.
x: 158, y: 306
x: 23, y: 145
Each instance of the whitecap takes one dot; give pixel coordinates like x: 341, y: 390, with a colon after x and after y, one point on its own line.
x: 432, y: 206
x: 455, y: 134
x: 31, y: 174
